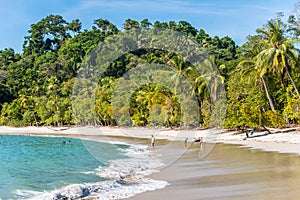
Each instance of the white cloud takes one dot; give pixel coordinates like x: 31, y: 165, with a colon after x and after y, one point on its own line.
x: 168, y: 6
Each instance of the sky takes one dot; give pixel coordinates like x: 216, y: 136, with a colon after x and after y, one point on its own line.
x: 234, y: 18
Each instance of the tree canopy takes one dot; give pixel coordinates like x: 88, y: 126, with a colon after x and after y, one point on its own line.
x: 261, y: 77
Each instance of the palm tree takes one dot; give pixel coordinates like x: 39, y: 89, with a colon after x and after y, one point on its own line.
x: 270, y: 52
x: 279, y: 55
x: 182, y: 69
x: 213, y: 78
x: 200, y: 89
x: 248, y: 66
x: 209, y: 81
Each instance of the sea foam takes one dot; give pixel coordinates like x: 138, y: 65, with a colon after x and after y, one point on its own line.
x: 123, y: 178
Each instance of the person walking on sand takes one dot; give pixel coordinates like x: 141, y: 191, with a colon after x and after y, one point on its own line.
x: 201, y: 140
x: 152, y: 142
x: 185, y: 143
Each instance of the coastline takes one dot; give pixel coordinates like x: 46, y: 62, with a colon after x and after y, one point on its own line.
x: 169, y: 144
x: 281, y: 141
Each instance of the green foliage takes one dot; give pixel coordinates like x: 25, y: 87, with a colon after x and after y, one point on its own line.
x: 273, y: 119
x: 261, y: 78
x: 11, y: 114
x: 154, y: 105
x: 45, y: 36
x: 270, y: 58
x: 291, y: 110
x: 245, y: 102
x: 103, y: 106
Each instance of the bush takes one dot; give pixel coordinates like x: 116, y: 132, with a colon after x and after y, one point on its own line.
x: 273, y: 119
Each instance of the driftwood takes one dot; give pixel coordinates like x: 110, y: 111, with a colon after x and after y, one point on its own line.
x: 285, y: 130
x: 270, y: 130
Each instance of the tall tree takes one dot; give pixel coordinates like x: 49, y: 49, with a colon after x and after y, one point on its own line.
x: 280, y: 55
x: 8, y: 56
x: 145, y: 23
x: 249, y: 66
x: 131, y: 24
x: 46, y: 35
x: 75, y: 26
x: 105, y: 26
x: 186, y: 28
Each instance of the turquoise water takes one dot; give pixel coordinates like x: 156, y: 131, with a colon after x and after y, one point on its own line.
x: 32, y: 163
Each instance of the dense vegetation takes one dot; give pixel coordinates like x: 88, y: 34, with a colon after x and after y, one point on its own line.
x: 261, y: 77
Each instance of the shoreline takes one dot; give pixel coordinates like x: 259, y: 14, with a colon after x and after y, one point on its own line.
x: 282, y: 141
x: 169, y: 145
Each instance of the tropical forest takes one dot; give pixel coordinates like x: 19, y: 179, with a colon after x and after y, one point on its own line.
x: 260, y: 78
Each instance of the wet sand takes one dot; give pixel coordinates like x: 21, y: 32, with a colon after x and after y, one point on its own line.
x: 227, y: 172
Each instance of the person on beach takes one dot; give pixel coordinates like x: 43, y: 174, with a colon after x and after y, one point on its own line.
x: 200, y: 143
x: 152, y: 142
x: 199, y: 139
x: 196, y: 139
x: 246, y: 132
x: 185, y: 143
x: 66, y: 142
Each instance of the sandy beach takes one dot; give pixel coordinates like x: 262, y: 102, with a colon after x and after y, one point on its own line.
x: 174, y: 155
x: 283, y: 141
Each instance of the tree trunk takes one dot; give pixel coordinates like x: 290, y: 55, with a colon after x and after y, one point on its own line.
x: 268, y: 95
x: 36, y: 123
x: 293, y: 83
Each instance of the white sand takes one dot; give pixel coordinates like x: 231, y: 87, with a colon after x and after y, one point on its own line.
x: 288, y: 142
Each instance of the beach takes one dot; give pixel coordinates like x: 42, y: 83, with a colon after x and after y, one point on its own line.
x: 283, y: 141
x: 184, y: 167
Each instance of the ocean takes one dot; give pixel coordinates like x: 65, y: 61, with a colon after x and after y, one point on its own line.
x: 35, y: 167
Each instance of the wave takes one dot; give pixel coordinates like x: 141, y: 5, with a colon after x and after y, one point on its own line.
x: 123, y: 178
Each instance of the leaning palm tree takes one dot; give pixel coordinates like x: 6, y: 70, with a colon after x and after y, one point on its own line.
x: 279, y: 55
x: 248, y: 66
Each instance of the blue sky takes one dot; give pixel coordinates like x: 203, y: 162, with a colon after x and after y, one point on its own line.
x: 235, y: 18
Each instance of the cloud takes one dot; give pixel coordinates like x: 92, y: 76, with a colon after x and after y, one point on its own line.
x: 218, y: 17
x: 270, y: 9
x: 167, y: 6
